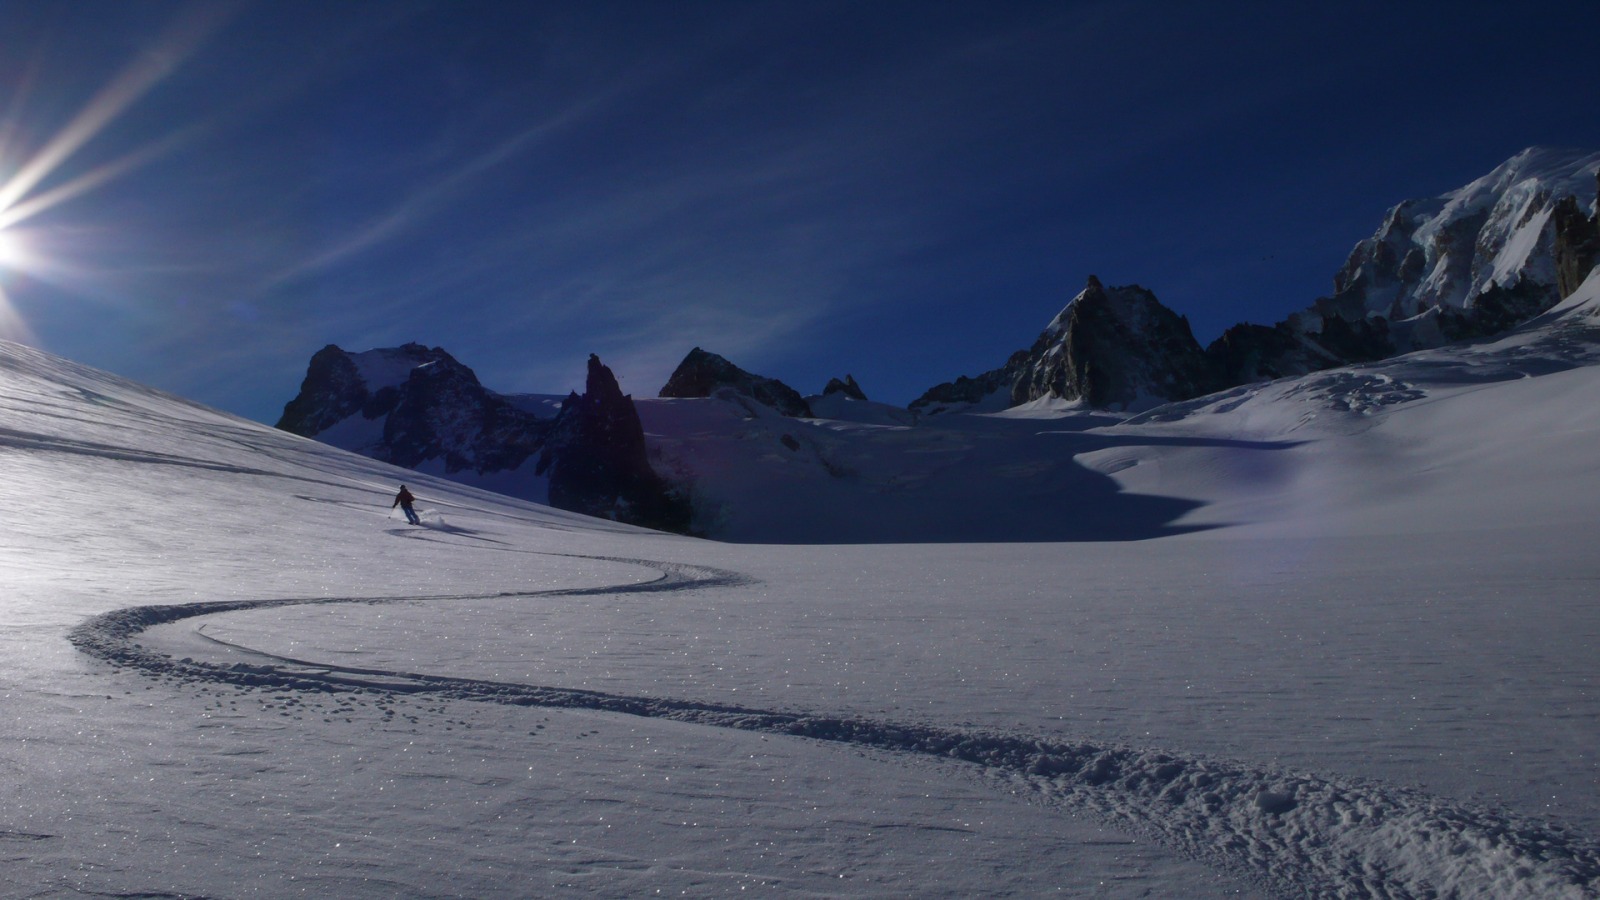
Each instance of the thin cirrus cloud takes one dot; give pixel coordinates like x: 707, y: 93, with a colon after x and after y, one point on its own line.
x: 421, y: 207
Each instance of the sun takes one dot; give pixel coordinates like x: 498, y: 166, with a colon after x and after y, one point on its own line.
x: 10, y: 250
x: 13, y: 251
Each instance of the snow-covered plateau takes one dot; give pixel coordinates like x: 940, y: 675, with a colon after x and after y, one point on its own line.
x: 1331, y: 636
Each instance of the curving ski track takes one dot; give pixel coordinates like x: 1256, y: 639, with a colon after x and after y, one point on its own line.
x: 1293, y: 834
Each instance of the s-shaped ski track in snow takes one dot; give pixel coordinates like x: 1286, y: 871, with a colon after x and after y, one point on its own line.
x: 1294, y: 834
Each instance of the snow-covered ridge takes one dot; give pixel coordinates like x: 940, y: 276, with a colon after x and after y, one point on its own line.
x: 1472, y: 263
x: 1494, y: 232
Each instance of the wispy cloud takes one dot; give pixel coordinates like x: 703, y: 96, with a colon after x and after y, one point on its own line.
x: 422, y: 204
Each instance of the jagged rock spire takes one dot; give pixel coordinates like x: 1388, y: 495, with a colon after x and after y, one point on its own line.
x: 848, y: 387
x: 598, y: 462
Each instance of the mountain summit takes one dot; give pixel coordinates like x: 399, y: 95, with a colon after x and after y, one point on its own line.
x: 702, y: 374
x: 1109, y: 348
x: 418, y: 407
x: 1471, y: 263
x: 598, y: 464
x: 410, y: 406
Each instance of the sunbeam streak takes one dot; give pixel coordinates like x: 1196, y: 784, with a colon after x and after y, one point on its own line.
x: 32, y: 206
x: 25, y: 193
x: 12, y: 325
x: 132, y: 83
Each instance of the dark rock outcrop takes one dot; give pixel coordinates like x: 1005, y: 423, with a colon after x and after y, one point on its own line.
x: 701, y: 373
x: 331, y: 392
x: 1115, y: 348
x: 848, y: 387
x: 1360, y: 340
x: 969, y: 390
x: 1112, y: 348
x: 442, y: 411
x: 1577, y: 245
x: 1498, y: 309
x: 598, y: 463
x: 433, y: 408
x: 1246, y: 353
x: 421, y: 406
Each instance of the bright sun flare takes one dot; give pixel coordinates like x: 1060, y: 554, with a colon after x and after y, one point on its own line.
x: 10, y: 250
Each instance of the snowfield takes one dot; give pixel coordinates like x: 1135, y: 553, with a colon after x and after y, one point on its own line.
x: 1337, y: 638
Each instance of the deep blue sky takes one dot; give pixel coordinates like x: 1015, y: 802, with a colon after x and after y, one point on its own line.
x: 206, y: 194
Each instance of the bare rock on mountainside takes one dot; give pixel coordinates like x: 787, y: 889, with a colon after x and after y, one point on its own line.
x: 847, y: 387
x: 1577, y: 246
x: 1114, y: 348
x: 702, y: 373
x: 599, y: 465
x: 412, y: 405
x: 1247, y: 353
x: 971, y: 390
x: 1471, y: 263
x: 1111, y: 348
x: 415, y: 406
x: 332, y: 391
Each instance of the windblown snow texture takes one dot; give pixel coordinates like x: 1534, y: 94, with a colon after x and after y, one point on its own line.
x: 1292, y: 832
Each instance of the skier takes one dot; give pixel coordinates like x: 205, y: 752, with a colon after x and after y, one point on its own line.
x: 404, y: 501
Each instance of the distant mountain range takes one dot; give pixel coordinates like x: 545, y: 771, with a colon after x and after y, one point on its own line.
x: 1472, y: 263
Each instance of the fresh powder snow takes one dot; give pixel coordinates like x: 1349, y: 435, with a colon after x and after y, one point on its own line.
x: 1328, y: 636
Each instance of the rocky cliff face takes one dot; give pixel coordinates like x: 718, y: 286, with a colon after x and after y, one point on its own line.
x: 1471, y: 263
x: 409, y: 406
x: 332, y: 391
x: 847, y: 387
x: 1112, y: 348
x: 414, y: 406
x: 1577, y: 243
x: 1495, y: 238
x: 598, y: 463
x: 1115, y: 348
x: 701, y: 374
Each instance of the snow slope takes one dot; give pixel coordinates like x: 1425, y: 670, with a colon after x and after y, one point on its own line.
x: 1349, y: 654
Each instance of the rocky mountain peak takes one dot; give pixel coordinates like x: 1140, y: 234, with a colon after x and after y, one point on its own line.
x: 702, y: 373
x: 847, y: 387
x: 598, y: 462
x: 1493, y: 238
x: 332, y: 390
x: 414, y: 406
x: 1110, y: 348
x: 1114, y: 348
x: 339, y: 384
